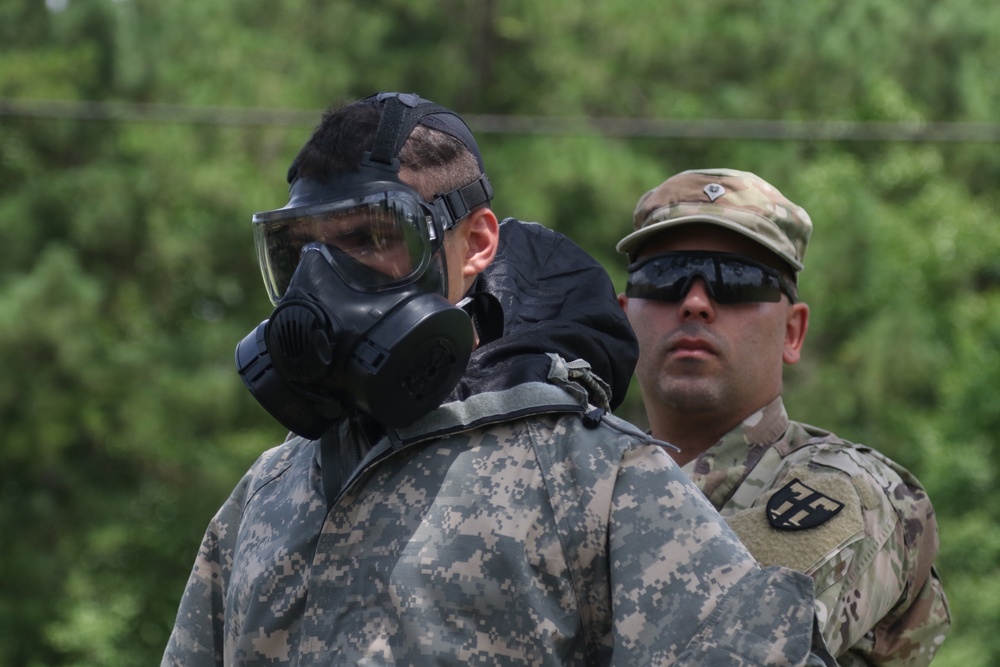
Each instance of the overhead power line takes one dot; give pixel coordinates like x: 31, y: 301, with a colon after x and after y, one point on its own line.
x: 796, y: 130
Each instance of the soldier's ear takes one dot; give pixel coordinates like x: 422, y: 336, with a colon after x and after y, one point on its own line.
x: 482, y: 239
x: 796, y: 325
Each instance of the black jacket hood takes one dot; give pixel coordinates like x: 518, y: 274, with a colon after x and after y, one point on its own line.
x: 554, y: 298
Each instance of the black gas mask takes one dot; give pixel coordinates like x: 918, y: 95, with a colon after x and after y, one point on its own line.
x: 356, y: 270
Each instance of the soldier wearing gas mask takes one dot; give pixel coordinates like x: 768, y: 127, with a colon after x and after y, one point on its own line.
x: 454, y: 489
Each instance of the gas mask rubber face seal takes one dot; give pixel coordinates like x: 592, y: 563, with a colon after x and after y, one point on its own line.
x: 356, y: 270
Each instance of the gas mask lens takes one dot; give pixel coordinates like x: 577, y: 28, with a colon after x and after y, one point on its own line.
x: 375, y: 241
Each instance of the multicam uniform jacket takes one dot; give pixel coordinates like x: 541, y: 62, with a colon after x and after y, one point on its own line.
x: 517, y: 524
x: 858, y: 523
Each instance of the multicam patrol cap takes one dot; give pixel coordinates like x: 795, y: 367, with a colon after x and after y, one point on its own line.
x: 737, y: 200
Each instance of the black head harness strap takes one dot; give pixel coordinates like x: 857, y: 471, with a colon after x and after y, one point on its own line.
x: 400, y: 114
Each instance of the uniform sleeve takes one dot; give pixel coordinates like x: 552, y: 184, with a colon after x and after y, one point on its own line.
x: 684, y: 589
x: 882, y: 597
x: 867, y: 535
x: 197, y: 638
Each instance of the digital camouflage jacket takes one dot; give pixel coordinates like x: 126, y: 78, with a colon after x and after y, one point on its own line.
x: 517, y: 524
x: 858, y: 523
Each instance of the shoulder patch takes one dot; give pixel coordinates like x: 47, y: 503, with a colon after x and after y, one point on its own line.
x: 796, y: 506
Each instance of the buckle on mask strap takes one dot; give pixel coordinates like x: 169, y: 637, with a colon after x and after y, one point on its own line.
x: 461, y: 200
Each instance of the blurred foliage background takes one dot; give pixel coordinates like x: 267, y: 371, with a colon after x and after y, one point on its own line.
x: 137, y: 138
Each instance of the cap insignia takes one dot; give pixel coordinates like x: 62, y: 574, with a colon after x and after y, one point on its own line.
x: 714, y: 191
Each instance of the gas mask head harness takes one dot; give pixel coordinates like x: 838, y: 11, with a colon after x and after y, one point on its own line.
x: 355, y: 267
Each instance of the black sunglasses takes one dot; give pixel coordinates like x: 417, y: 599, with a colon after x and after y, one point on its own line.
x: 729, y: 278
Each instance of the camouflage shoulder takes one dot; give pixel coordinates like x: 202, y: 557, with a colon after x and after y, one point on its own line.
x: 629, y: 430
x: 863, y: 528
x: 830, y: 507
x: 804, y: 519
x: 626, y: 428
x: 880, y: 482
x: 826, y: 448
x: 276, y: 460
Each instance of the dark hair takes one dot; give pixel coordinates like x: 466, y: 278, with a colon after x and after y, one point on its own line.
x: 431, y: 161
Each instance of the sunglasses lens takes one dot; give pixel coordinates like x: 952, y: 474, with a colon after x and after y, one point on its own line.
x: 729, y: 278
x: 740, y: 282
x: 661, y: 278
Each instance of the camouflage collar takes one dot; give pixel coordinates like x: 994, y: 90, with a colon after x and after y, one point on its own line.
x: 720, y: 469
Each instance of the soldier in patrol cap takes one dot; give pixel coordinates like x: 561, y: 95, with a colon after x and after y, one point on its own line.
x: 454, y: 490
x: 712, y: 296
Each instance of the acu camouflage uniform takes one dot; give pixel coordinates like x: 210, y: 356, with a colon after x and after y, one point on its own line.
x: 858, y: 523
x: 517, y: 524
